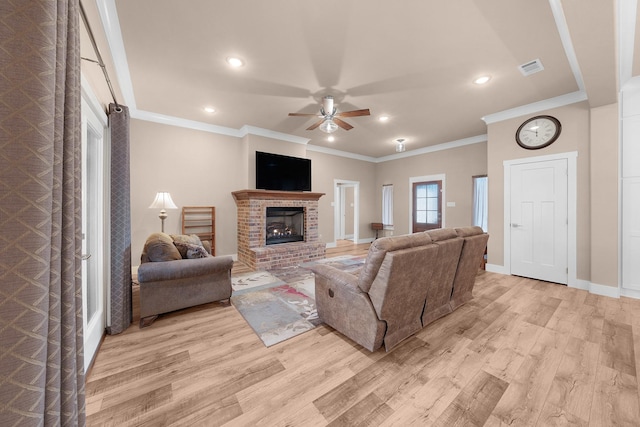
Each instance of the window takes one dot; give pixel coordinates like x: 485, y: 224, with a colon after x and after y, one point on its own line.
x: 387, y: 206
x: 480, y: 201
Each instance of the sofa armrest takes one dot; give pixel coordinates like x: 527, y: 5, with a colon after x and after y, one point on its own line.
x: 345, y: 307
x: 184, y: 268
x: 333, y: 275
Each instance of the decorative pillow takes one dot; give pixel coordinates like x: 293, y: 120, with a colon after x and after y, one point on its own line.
x: 160, y: 247
x: 191, y: 251
x: 183, y: 238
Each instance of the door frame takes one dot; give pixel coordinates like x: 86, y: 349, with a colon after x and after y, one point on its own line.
x: 91, y: 102
x: 413, y: 180
x: 571, y: 158
x: 338, y: 184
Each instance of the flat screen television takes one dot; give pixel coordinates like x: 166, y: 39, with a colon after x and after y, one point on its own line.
x: 282, y: 173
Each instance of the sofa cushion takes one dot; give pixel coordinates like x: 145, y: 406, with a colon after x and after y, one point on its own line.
x: 159, y: 247
x: 191, y: 251
x: 379, y: 249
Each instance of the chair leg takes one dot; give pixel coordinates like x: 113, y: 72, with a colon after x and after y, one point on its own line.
x: 147, y: 321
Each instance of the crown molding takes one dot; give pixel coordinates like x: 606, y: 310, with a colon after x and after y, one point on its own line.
x: 433, y: 148
x: 536, y: 107
x: 111, y: 24
x: 253, y: 130
x: 340, y: 153
x: 565, y: 38
x: 184, y: 123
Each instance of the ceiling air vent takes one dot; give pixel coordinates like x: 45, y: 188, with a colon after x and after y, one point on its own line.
x: 531, y: 67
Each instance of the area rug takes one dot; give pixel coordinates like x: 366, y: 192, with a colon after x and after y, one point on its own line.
x: 280, y: 304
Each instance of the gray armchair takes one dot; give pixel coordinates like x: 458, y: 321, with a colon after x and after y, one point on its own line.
x: 168, y: 282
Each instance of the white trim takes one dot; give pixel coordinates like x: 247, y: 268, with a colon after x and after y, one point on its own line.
x: 331, y: 245
x: 565, y: 38
x: 109, y: 17
x: 630, y: 293
x: 627, y: 10
x: 494, y: 268
x: 336, y: 207
x: 339, y: 153
x: 571, y: 158
x: 92, y: 101
x: 253, y: 130
x: 536, y: 107
x: 432, y: 148
x: 436, y: 177
x: 607, y: 291
x: 184, y: 123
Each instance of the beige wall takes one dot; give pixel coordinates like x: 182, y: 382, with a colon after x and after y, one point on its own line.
x: 502, y: 146
x: 604, y: 195
x: 458, y: 165
x: 197, y: 168
x: 326, y: 168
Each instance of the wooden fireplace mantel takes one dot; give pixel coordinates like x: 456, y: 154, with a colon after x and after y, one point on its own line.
x: 275, y: 195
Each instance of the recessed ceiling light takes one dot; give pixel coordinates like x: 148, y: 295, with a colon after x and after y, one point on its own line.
x: 383, y: 118
x: 331, y: 138
x: 209, y: 109
x: 482, y: 80
x: 235, y: 62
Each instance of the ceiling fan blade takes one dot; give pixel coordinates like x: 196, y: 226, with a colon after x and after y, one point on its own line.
x: 344, y: 125
x: 315, y: 125
x: 304, y: 114
x: 354, y: 113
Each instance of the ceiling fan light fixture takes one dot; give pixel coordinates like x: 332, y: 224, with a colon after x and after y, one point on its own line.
x: 328, y: 126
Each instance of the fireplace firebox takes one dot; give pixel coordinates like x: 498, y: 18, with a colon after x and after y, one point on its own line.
x: 284, y: 225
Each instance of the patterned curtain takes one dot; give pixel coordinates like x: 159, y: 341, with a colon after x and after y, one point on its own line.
x: 120, y: 293
x: 41, y: 342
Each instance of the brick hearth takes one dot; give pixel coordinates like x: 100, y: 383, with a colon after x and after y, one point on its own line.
x: 252, y: 249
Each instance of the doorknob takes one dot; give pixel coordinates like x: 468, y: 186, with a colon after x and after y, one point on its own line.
x: 514, y: 225
x: 86, y: 257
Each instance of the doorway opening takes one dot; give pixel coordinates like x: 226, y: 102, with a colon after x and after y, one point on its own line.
x: 346, y: 210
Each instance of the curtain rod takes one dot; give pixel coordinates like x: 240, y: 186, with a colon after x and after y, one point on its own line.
x: 100, y: 62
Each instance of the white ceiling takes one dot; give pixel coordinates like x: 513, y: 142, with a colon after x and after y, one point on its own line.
x: 413, y: 60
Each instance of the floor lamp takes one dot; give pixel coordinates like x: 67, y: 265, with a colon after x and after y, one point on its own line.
x: 163, y: 201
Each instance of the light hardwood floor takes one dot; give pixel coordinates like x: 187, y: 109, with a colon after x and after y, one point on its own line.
x: 523, y: 352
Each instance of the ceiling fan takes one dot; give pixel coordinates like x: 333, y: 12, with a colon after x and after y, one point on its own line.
x: 329, y: 117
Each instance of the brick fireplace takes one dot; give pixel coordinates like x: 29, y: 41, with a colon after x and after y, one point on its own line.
x: 252, y: 228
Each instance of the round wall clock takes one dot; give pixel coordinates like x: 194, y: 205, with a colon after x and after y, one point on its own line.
x: 538, y: 132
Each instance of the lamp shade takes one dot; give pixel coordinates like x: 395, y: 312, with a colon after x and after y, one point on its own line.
x: 163, y: 201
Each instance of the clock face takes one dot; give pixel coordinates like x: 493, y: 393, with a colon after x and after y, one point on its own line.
x: 538, y: 132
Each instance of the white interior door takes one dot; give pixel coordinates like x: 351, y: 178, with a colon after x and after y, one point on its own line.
x: 539, y: 220
x: 92, y: 232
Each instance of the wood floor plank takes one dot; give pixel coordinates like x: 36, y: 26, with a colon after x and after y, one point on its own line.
x: 572, y: 365
x: 474, y: 403
x: 615, y: 399
x: 571, y: 391
x: 522, y: 402
x: 617, y: 349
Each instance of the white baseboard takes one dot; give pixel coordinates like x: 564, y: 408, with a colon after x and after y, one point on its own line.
x: 630, y: 293
x: 332, y: 245
x: 607, y: 291
x: 494, y: 268
x: 367, y: 240
x: 592, y: 288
